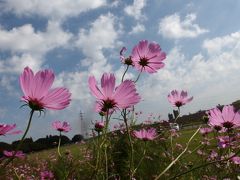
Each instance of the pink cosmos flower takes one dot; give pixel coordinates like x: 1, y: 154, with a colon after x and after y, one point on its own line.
x: 205, y: 131
x: 224, y: 141
x: 18, y: 154
x: 46, y: 175
x: 37, y: 92
x: 148, y: 57
x: 236, y: 160
x: 61, y: 126
x: 99, y: 126
x: 213, y: 155
x: 178, y: 99
x: 5, y: 128
x: 110, y: 97
x: 146, y: 135
x: 226, y: 118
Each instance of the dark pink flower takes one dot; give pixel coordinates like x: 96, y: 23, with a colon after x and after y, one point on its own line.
x: 46, y: 175
x: 5, y: 128
x: 148, y: 57
x: 18, y: 154
x: 61, y: 126
x: 146, y: 135
x: 178, y: 99
x: 37, y: 92
x: 226, y: 118
x: 110, y: 97
x: 99, y: 126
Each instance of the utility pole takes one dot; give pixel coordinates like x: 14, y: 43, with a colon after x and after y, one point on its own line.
x: 82, y: 124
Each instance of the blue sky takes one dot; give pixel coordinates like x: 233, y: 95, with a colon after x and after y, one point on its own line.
x: 81, y: 38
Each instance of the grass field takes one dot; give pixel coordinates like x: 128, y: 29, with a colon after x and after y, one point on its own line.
x: 78, y: 159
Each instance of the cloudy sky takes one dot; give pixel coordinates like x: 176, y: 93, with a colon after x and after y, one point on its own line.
x: 81, y: 38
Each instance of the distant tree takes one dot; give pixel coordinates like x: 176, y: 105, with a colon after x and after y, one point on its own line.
x: 77, y: 138
x: 236, y: 104
x: 4, y: 146
x: 26, y: 145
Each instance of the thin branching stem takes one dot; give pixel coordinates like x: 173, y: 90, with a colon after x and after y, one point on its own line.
x: 175, y: 160
x: 125, y: 73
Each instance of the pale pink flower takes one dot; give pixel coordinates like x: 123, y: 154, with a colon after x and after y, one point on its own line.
x: 46, y: 175
x: 61, y: 126
x: 110, y: 97
x: 236, y: 160
x: 224, y: 141
x: 178, y: 99
x: 226, y: 118
x: 213, y: 155
x: 5, y: 128
x: 205, y: 131
x: 146, y: 135
x: 18, y: 154
x: 148, y: 57
x: 37, y: 92
x: 201, y: 152
x: 99, y: 126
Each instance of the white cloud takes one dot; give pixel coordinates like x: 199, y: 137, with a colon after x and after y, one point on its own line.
x: 135, y: 10
x: 172, y: 27
x: 25, y: 39
x: 77, y: 82
x: 102, y: 35
x: 137, y: 29
x: 16, y: 63
x: 6, y: 82
x: 57, y: 9
x: 209, y: 78
x: 28, y: 46
x: 219, y: 44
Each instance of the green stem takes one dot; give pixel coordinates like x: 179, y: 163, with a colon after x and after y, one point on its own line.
x: 139, y: 163
x: 131, y: 168
x: 175, y: 160
x: 59, y: 144
x: 105, y: 145
x: 106, y: 161
x: 98, y: 154
x: 177, y: 115
x: 203, y: 165
x: 171, y: 140
x: 26, y: 131
x: 15, y: 172
x: 125, y: 73
x: 21, y: 141
x: 138, y: 76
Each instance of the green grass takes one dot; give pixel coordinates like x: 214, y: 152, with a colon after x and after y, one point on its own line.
x: 158, y: 157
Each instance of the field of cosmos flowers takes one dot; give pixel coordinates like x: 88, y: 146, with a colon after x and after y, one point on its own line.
x: 132, y: 151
